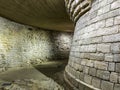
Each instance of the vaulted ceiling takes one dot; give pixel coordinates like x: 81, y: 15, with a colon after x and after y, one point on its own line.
x: 46, y: 14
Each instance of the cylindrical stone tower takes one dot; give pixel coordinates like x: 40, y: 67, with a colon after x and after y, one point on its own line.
x: 94, y: 62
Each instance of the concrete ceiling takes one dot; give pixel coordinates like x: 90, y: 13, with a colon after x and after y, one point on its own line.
x: 46, y: 14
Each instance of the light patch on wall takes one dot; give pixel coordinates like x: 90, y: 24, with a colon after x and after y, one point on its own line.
x: 76, y: 1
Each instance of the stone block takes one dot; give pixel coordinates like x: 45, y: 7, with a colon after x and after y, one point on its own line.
x: 84, y: 55
x: 115, y: 4
x: 117, y: 67
x: 77, y: 74
x: 109, y: 1
x: 96, y: 40
x: 111, y: 38
x: 114, y: 77
x: 80, y: 68
x: 106, y: 31
x: 103, y: 3
x: 103, y: 74
x: 117, y: 58
x: 105, y: 85
x: 83, y: 62
x: 92, y: 71
x: 115, y: 48
x: 117, y: 20
x: 100, y: 24
x: 81, y: 86
x: 101, y: 65
x: 104, y: 9
x: 117, y: 87
x: 88, y: 48
x: 86, y: 70
x: 103, y: 48
x: 109, y: 57
x: 109, y: 22
x: 111, y: 66
x: 81, y: 76
x: 88, y: 79
x: 90, y: 63
x: 96, y: 82
x: 76, y: 66
x: 97, y: 56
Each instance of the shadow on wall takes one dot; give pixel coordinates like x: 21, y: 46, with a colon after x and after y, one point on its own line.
x: 20, y: 45
x: 61, y: 44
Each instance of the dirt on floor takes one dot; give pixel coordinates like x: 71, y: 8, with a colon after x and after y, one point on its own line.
x: 45, y: 76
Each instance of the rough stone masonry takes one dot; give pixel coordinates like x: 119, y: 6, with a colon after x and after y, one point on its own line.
x: 22, y: 45
x: 94, y: 60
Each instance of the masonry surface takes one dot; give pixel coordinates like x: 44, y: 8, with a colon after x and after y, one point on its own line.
x: 93, y: 52
x: 21, y: 45
x: 94, y: 59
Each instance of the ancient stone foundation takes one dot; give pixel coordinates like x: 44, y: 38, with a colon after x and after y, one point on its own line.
x: 21, y: 45
x: 94, y: 61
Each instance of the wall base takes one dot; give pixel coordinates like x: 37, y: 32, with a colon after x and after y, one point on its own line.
x: 77, y: 84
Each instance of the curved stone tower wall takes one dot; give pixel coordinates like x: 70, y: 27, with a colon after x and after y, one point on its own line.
x: 94, y: 61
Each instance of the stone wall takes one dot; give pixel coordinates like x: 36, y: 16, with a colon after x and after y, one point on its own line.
x: 94, y: 61
x: 21, y: 45
x: 76, y: 8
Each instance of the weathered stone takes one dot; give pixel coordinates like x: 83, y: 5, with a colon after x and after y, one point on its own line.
x: 109, y: 57
x: 101, y: 65
x: 117, y: 57
x: 92, y: 40
x: 117, y: 19
x: 115, y: 48
x: 88, y: 48
x: 115, y: 4
x: 85, y: 55
x: 114, y: 77
x: 86, y: 70
x: 105, y: 85
x: 104, y: 9
x: 92, y: 71
x: 81, y: 76
x: 83, y: 62
x: 111, y: 66
x: 117, y: 87
x: 103, y: 48
x: 80, y: 68
x: 88, y: 79
x: 76, y: 66
x: 103, y: 74
x: 81, y: 87
x: 97, y: 56
x: 111, y: 38
x: 106, y: 31
x: 96, y: 82
x: 77, y: 74
x: 90, y: 63
x: 100, y: 24
x: 118, y: 67
x: 109, y: 22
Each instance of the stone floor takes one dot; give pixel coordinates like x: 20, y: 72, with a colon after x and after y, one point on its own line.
x: 47, y: 76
